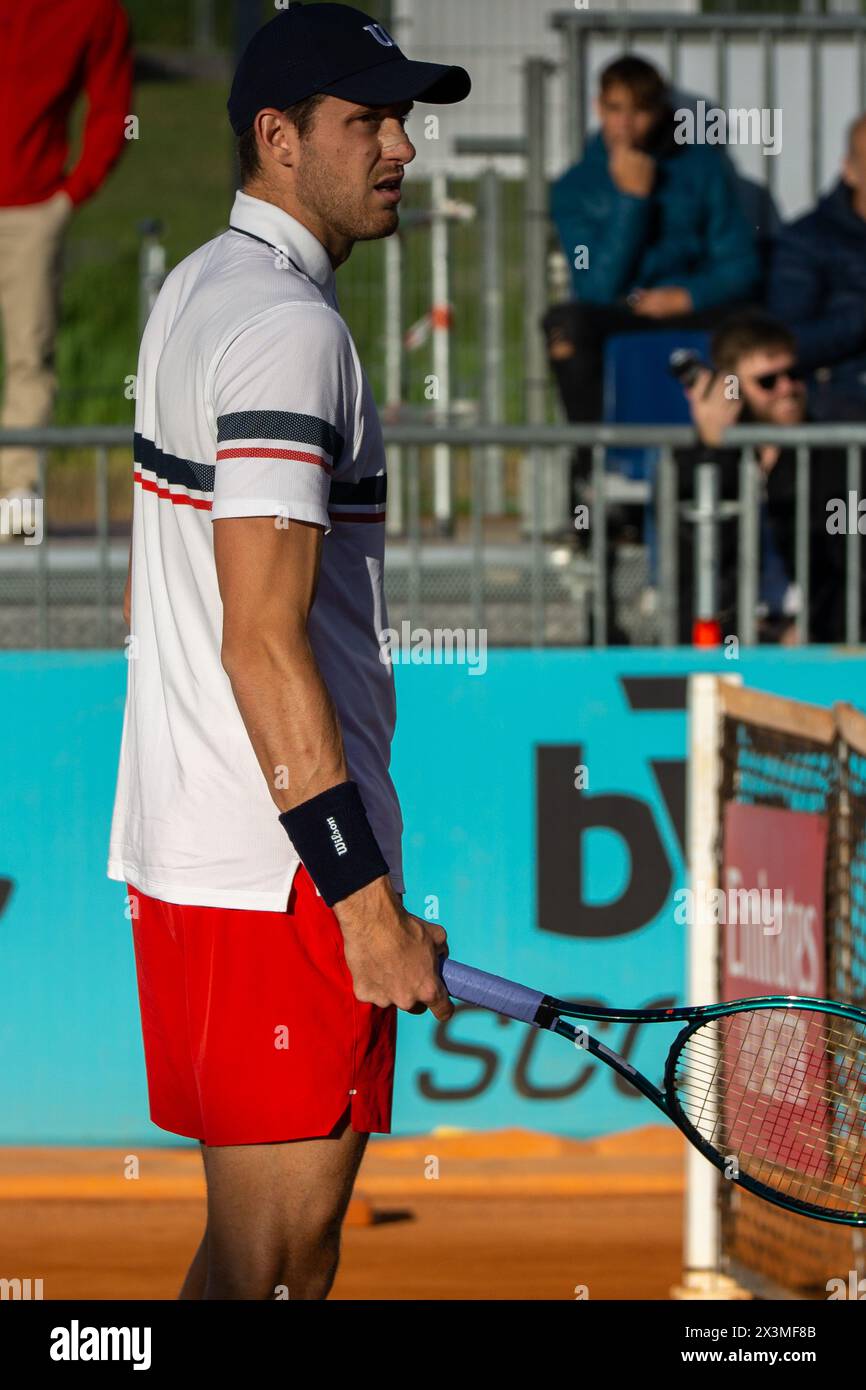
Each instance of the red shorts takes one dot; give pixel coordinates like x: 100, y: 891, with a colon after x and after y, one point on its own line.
x: 252, y: 1033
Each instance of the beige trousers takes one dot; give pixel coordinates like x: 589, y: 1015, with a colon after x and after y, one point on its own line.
x: 31, y: 244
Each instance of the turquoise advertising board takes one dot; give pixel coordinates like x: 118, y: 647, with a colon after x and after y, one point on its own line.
x: 544, y: 811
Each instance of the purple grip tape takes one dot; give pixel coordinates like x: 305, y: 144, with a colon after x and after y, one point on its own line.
x: 491, y: 991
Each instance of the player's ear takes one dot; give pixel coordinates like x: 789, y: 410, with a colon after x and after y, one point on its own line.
x: 277, y: 137
x: 849, y: 177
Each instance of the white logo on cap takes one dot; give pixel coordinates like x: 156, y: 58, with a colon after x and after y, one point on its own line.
x: 380, y: 35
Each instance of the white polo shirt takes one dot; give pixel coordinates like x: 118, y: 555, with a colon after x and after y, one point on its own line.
x: 251, y: 401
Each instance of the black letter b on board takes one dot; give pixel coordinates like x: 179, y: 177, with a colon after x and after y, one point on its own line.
x: 563, y: 815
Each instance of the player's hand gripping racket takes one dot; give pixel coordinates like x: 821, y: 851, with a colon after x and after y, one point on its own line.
x: 770, y: 1090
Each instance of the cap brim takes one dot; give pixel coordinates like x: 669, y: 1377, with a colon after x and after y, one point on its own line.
x: 403, y: 80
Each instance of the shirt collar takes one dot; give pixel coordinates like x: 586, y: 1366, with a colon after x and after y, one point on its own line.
x: 279, y: 229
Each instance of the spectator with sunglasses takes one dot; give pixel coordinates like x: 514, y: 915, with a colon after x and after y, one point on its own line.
x: 817, y: 286
x: 756, y: 378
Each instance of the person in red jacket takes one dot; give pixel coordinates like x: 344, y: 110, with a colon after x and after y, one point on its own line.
x: 49, y: 55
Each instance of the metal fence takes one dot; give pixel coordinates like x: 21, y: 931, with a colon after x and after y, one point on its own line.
x: 493, y: 364
x: 503, y: 571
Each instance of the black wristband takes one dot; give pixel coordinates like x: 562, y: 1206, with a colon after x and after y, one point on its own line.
x: 335, y: 842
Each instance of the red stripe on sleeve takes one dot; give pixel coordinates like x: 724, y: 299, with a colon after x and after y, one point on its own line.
x: 247, y: 453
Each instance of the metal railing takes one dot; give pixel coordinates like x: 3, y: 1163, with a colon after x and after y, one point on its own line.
x: 524, y: 585
x: 803, y: 438
x: 29, y: 589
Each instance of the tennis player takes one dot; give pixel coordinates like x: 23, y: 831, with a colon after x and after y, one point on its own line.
x: 255, y: 822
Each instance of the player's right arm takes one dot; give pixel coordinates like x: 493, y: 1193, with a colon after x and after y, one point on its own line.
x: 269, y: 519
x: 267, y: 578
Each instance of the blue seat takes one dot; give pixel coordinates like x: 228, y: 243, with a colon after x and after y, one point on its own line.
x: 639, y: 390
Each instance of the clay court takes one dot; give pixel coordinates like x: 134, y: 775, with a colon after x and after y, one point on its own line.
x: 511, y: 1215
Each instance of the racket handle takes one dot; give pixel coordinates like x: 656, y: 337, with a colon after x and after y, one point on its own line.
x: 491, y: 991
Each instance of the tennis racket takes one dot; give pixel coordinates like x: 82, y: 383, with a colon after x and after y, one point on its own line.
x: 770, y: 1090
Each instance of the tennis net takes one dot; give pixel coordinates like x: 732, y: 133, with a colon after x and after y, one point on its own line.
x: 777, y: 850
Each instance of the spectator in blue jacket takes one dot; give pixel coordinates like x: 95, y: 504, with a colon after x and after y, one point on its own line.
x: 817, y: 286
x: 653, y: 230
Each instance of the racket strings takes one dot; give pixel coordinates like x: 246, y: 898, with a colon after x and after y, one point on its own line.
x: 782, y: 1092
x: 794, y: 1146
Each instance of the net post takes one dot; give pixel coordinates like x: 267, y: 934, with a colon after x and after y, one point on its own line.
x: 780, y: 753
x: 702, y: 1276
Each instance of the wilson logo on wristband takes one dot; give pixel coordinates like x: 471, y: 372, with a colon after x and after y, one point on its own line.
x: 336, y: 838
x: 321, y: 831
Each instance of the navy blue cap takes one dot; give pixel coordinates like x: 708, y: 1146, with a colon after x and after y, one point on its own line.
x: 337, y: 50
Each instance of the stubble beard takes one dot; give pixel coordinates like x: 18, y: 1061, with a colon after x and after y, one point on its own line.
x: 328, y: 195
